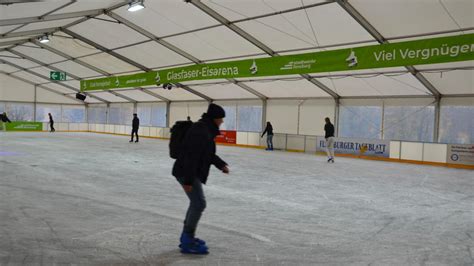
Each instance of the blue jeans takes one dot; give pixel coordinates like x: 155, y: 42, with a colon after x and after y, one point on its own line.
x: 270, y: 142
x: 197, y: 204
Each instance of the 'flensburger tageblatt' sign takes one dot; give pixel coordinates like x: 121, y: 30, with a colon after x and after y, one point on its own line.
x: 419, y: 52
x: 368, y: 147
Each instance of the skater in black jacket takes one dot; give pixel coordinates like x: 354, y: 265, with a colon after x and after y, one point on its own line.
x: 4, y: 120
x: 329, y: 136
x: 269, y: 132
x: 51, y: 123
x: 135, y: 126
x: 191, y: 169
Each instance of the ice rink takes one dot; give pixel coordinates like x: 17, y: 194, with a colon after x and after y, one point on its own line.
x: 87, y: 198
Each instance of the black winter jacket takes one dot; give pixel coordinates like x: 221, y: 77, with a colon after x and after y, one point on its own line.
x: 4, y: 118
x: 268, y: 130
x: 135, y: 123
x: 329, y: 130
x: 199, y: 152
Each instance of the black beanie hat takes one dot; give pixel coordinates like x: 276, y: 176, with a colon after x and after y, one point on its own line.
x: 215, y: 111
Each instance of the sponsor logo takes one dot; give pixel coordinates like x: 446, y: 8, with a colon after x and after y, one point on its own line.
x: 302, y: 64
x: 454, y: 157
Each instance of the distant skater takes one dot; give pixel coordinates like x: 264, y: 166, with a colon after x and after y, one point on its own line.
x: 4, y: 120
x: 269, y: 132
x: 51, y: 123
x: 329, y: 136
x: 135, y: 126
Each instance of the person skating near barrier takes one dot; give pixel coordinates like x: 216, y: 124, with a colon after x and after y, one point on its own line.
x: 269, y: 131
x: 4, y: 120
x: 194, y: 148
x: 135, y: 127
x: 329, y: 136
x: 51, y: 123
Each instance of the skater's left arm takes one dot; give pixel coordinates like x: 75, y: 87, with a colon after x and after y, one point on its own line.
x: 219, y: 163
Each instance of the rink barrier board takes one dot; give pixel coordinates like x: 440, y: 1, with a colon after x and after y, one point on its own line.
x: 449, y: 165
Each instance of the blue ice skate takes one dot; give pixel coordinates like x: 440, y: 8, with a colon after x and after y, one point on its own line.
x: 191, y: 245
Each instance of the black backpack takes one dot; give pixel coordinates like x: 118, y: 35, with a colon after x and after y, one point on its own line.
x: 178, y: 132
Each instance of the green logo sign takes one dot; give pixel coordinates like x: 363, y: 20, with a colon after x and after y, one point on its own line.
x: 419, y: 52
x: 56, y: 75
x: 24, y: 126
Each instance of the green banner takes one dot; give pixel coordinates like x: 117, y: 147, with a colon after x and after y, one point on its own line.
x: 24, y: 126
x: 419, y: 52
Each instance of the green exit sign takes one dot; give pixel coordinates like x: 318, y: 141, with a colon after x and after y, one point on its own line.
x: 56, y: 75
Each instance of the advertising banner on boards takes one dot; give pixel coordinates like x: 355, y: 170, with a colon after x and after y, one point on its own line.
x: 227, y: 136
x: 460, y: 154
x: 367, y: 147
x: 24, y: 126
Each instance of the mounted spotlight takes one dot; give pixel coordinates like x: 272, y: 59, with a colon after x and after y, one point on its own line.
x: 43, y: 39
x: 135, y: 5
x: 167, y: 86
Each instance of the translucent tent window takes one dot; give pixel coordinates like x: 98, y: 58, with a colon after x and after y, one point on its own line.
x: 411, y: 123
x: 19, y: 111
x: 42, y: 111
x: 230, y: 120
x: 456, y: 124
x: 74, y: 114
x: 97, y: 114
x: 249, y: 118
x: 144, y: 114
x: 120, y: 114
x: 114, y: 115
x: 158, y: 115
x: 360, y: 121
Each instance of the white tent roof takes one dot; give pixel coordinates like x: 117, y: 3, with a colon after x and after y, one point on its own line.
x: 99, y: 38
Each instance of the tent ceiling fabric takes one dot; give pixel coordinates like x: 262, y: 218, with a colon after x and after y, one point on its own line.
x: 87, y: 5
x: 31, y: 9
x: 292, y: 30
x: 7, y: 56
x: 108, y: 34
x: 108, y: 63
x: 386, y: 15
x: 171, y: 16
x: 404, y: 84
x: 47, y: 24
x: 235, y: 10
x: 152, y: 55
x: 73, y: 47
x: 40, y: 54
x: 284, y: 26
x: 205, y: 44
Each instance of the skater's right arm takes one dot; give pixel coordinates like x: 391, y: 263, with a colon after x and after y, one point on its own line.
x: 265, y: 131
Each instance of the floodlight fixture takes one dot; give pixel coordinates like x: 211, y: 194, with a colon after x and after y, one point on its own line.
x: 43, y: 39
x: 136, y: 5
